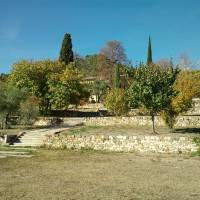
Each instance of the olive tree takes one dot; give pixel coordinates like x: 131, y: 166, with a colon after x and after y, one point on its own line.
x: 10, y: 98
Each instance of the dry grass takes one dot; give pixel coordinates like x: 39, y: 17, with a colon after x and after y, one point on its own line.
x: 131, y: 130
x: 91, y: 175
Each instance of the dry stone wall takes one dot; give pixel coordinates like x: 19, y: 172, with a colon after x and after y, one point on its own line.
x: 2, y: 141
x: 156, y: 144
x: 182, y: 121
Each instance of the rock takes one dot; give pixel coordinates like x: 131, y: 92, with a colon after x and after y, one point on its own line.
x: 156, y: 144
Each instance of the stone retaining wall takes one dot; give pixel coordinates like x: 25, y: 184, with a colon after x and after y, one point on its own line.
x: 1, y: 141
x: 182, y: 121
x: 156, y: 144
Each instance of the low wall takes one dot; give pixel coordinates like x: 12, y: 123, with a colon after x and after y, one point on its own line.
x: 182, y: 121
x: 2, y: 142
x: 156, y: 144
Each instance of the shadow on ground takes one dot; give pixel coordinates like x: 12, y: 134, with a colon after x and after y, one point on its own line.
x: 187, y: 130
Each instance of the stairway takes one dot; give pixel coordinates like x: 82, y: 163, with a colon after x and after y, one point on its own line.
x: 35, y: 138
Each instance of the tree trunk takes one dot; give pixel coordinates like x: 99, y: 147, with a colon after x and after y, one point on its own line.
x: 153, y: 122
x: 171, y: 124
x: 5, y: 123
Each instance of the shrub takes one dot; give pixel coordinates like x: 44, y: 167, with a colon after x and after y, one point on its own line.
x: 29, y: 110
x: 116, y: 102
x: 197, y: 141
x: 187, y: 87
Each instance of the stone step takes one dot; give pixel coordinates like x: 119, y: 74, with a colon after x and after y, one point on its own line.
x: 25, y: 139
x: 34, y: 138
x: 29, y: 138
x: 14, y: 152
x: 37, y: 136
x: 26, y: 144
x: 29, y: 141
x: 10, y: 148
x: 34, y: 135
x: 23, y: 156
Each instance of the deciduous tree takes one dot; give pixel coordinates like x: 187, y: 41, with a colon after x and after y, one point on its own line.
x: 29, y: 110
x: 10, y: 98
x: 33, y: 76
x: 153, y: 88
x: 99, y: 89
x: 65, y: 88
x: 87, y: 65
x: 187, y: 88
x: 113, y: 53
x: 116, y: 101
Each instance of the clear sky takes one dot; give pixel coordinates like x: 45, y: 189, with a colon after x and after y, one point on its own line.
x: 34, y: 29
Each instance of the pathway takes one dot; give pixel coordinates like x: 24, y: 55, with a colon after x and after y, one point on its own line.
x: 35, y: 138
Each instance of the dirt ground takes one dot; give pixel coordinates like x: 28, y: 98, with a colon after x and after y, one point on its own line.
x: 89, y: 175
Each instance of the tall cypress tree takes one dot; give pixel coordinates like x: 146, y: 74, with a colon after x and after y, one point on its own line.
x: 66, y: 53
x: 149, y: 53
x: 117, y: 80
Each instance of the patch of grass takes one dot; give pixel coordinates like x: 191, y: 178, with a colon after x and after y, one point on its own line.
x: 18, y: 149
x: 126, y: 130
x: 197, y: 141
x: 70, y: 174
x: 80, y: 130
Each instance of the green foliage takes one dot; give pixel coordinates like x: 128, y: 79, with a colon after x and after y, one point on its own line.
x: 33, y: 75
x: 66, y: 53
x: 65, y: 88
x: 3, y: 77
x: 169, y: 116
x: 87, y: 65
x: 117, y: 80
x: 10, y: 98
x: 197, y: 141
x: 149, y: 53
x: 196, y: 76
x: 99, y: 89
x: 81, y: 130
x: 187, y: 87
x: 153, y: 88
x: 29, y: 110
x: 116, y: 102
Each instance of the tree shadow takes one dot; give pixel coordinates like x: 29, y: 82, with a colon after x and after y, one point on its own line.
x: 187, y: 130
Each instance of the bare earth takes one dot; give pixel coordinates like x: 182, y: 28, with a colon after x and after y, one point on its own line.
x: 87, y: 175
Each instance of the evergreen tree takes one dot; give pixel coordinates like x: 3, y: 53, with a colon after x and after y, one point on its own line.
x: 149, y: 53
x: 66, y: 53
x: 117, y: 77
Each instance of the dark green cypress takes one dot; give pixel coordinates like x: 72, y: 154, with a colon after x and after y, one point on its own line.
x: 149, y: 53
x: 66, y: 53
x: 117, y: 77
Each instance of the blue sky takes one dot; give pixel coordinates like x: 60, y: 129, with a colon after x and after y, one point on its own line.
x: 34, y: 29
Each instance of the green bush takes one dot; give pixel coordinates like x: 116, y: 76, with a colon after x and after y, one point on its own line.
x: 197, y: 141
x: 29, y: 110
x: 116, y: 102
